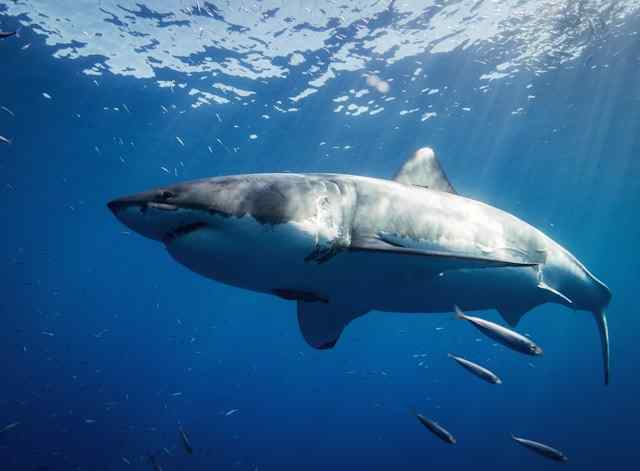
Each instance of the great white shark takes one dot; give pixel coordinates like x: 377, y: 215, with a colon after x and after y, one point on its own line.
x: 342, y: 245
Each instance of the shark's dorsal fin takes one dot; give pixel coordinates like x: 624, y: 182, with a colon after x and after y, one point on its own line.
x: 321, y: 323
x: 423, y: 169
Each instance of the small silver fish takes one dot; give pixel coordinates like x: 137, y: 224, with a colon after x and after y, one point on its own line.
x: 437, y: 429
x: 154, y: 463
x: 9, y: 427
x: 185, y: 441
x: 506, y: 337
x: 481, y: 372
x: 541, y: 449
x: 4, y: 140
x: 6, y: 34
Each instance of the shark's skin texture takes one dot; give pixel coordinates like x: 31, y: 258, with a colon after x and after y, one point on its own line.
x: 342, y: 245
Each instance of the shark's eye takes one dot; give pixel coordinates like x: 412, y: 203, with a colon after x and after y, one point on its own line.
x: 166, y: 194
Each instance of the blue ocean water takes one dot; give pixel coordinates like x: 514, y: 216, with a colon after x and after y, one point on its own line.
x: 109, y: 346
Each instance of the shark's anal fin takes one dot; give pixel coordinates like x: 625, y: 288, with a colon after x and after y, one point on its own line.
x: 423, y: 169
x: 322, y: 323
x: 512, y: 313
x: 441, y: 260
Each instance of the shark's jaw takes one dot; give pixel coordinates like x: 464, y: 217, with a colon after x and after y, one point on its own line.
x: 182, y: 231
x: 163, y: 222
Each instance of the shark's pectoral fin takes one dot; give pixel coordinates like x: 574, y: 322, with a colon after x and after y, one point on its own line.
x: 322, y: 323
x: 603, y: 328
x: 440, y: 260
x: 423, y: 169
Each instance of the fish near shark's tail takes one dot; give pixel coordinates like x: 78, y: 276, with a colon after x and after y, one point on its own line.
x: 600, y: 316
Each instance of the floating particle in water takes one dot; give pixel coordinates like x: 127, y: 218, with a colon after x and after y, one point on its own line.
x: 427, y: 116
x: 231, y: 412
x: 46, y: 95
x: 253, y: 136
x: 180, y: 141
x: 7, y: 110
x: 165, y: 169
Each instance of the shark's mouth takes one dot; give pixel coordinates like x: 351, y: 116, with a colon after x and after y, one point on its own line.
x: 182, y: 231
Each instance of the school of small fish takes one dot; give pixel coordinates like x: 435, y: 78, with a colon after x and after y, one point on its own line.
x: 509, y: 339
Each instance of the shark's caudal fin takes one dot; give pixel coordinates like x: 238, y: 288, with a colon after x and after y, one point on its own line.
x: 321, y: 323
x: 423, y: 169
x: 603, y: 328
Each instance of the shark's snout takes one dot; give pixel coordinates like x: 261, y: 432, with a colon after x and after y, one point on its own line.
x: 160, y: 199
x: 153, y: 214
x: 119, y: 204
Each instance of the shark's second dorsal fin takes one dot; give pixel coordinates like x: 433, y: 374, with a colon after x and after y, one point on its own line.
x: 423, y: 169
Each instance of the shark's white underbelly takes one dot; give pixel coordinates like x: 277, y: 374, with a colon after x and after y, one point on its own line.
x: 284, y: 257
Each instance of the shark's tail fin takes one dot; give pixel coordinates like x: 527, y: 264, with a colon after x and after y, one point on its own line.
x: 601, y: 320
